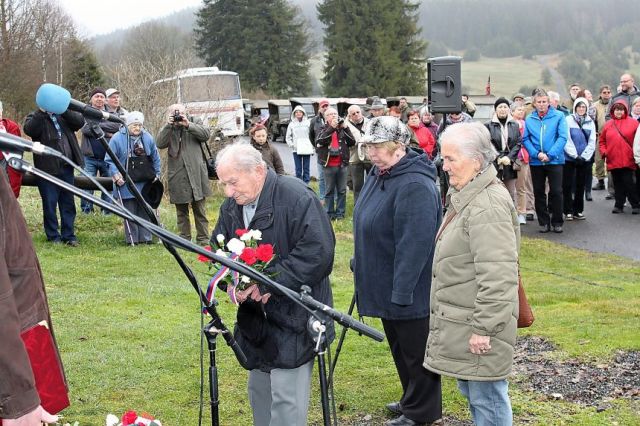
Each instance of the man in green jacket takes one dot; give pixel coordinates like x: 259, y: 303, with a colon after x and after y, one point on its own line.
x: 186, y: 170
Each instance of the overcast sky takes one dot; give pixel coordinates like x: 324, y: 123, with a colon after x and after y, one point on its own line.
x: 93, y: 18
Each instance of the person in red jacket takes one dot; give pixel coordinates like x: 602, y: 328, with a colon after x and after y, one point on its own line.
x: 15, y: 177
x: 423, y: 134
x: 616, y: 146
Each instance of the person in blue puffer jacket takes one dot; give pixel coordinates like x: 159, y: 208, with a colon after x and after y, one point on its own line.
x: 579, y: 150
x: 545, y: 135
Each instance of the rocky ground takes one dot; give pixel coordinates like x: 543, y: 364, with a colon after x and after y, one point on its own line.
x: 535, y: 370
x: 572, y: 380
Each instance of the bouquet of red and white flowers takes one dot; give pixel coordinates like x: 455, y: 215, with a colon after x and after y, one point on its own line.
x: 131, y: 418
x: 245, y: 249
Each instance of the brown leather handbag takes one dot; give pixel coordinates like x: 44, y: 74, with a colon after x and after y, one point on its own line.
x: 525, y: 314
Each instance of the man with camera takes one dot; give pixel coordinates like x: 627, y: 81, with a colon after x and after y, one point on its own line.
x: 332, y: 146
x: 186, y: 170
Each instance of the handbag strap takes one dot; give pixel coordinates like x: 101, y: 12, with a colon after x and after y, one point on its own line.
x: 447, y: 220
x: 206, y: 145
x: 623, y: 136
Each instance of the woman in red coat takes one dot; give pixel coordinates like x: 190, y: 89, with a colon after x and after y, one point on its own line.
x: 424, y: 136
x: 616, y: 146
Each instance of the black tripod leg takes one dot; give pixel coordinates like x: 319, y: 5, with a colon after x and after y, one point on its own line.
x: 324, y: 387
x: 343, y: 334
x: 211, y: 333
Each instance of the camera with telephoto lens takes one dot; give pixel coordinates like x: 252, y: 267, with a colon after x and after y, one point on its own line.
x: 177, y: 117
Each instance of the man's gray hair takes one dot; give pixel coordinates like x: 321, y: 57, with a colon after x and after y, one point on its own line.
x: 473, y: 141
x: 353, y: 108
x: 553, y: 95
x: 241, y: 155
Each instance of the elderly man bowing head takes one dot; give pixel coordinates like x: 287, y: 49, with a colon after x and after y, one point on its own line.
x: 272, y: 330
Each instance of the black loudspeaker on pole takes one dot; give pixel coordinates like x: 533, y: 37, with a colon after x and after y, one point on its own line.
x: 444, y: 84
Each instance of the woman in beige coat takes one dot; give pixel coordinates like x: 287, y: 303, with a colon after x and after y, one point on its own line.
x: 474, y: 290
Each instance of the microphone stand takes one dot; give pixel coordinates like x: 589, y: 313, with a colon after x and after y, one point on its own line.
x: 319, y: 311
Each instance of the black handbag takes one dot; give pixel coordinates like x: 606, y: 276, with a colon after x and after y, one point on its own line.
x: 210, y: 162
x: 140, y: 168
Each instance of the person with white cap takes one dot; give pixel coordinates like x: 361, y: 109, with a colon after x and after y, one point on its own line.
x: 136, y: 149
x: 394, y: 226
x: 113, y: 103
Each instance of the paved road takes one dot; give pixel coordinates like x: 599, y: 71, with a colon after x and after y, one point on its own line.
x: 602, y: 232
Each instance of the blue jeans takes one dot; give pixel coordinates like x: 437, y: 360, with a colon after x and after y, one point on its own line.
x: 54, y: 198
x: 488, y: 401
x: 92, y: 166
x: 302, y: 163
x: 336, y: 183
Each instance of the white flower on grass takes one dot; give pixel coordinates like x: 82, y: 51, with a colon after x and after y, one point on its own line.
x: 220, y: 239
x: 245, y: 279
x: 236, y: 246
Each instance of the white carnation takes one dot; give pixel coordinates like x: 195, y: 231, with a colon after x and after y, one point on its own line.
x: 245, y: 279
x: 220, y: 238
x: 236, y: 246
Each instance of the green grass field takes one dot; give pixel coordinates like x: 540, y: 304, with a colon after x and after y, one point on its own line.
x: 128, y: 327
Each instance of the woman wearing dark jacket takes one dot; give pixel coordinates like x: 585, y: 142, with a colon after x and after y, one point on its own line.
x: 394, y: 224
x: 270, y: 155
x: 506, y: 139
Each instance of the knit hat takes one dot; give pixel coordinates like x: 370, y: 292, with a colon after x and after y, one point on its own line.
x: 97, y: 90
x: 386, y: 129
x: 500, y: 101
x: 134, y: 117
x: 323, y: 102
x: 518, y: 95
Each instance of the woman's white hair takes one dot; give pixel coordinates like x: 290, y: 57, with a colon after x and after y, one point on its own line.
x: 241, y: 155
x: 473, y: 141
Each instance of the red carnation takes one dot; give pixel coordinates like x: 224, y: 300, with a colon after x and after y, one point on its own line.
x: 241, y: 232
x: 202, y: 257
x: 129, y: 418
x: 264, y: 252
x: 248, y: 256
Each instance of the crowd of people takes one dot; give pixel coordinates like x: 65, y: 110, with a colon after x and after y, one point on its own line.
x: 436, y: 223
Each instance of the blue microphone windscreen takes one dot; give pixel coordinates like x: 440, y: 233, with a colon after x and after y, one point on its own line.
x: 53, y: 98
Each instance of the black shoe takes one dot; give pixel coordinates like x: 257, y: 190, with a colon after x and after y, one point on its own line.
x: 403, y: 421
x: 616, y: 210
x: 529, y: 217
x: 609, y: 197
x: 598, y: 186
x: 395, y: 407
x: 588, y: 197
x: 635, y: 210
x: 557, y: 229
x: 72, y: 243
x: 544, y: 229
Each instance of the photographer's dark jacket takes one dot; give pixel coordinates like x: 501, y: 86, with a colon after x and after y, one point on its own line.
x: 291, y: 218
x: 40, y: 128
x: 187, y: 176
x: 323, y: 142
